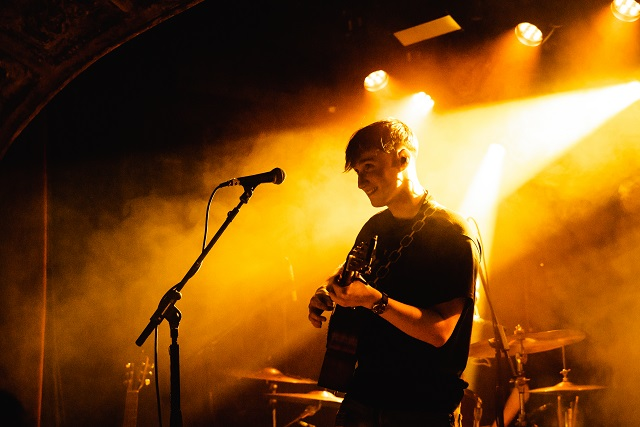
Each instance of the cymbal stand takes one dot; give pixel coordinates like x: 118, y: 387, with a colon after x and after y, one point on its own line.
x: 273, y: 387
x: 568, y: 417
x: 520, y: 381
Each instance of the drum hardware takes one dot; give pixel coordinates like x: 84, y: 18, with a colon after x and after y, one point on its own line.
x: 272, y: 376
x: 565, y: 386
x: 519, y: 345
x: 318, y: 397
x: 307, y: 412
x: 528, y: 343
x: 520, y: 380
x: 273, y: 403
x: 567, y: 417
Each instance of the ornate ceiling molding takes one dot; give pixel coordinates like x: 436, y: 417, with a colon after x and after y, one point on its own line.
x: 45, y: 45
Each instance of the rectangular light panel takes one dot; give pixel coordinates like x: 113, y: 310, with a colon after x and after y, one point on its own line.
x: 428, y: 30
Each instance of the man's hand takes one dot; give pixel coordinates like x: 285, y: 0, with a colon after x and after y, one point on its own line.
x: 357, y: 293
x: 319, y: 303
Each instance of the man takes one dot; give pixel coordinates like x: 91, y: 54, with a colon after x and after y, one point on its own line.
x: 416, y: 306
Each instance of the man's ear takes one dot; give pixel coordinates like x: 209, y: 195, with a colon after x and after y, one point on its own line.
x: 404, y: 158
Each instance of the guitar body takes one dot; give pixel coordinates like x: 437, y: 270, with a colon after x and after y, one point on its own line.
x: 344, y: 326
x: 340, y: 357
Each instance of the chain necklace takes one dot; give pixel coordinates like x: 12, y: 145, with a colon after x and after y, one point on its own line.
x: 428, y: 209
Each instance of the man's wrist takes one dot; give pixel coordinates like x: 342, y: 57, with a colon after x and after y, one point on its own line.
x: 381, y: 305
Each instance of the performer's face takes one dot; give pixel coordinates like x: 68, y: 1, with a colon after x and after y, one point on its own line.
x: 379, y: 176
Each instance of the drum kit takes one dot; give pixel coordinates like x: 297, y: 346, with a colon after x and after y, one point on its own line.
x: 518, y: 346
x: 315, y: 399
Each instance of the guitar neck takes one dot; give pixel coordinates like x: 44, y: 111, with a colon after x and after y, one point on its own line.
x: 131, y: 409
x: 358, y: 262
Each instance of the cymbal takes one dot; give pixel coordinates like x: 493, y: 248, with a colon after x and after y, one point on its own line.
x: 316, y: 395
x: 531, y: 342
x: 272, y: 374
x: 566, y: 387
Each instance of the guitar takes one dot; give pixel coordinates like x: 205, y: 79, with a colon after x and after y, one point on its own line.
x: 342, y: 336
x: 136, y: 379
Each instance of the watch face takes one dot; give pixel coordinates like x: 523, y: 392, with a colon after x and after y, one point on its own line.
x: 380, y: 306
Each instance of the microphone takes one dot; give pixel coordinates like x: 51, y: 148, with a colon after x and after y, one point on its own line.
x: 276, y: 176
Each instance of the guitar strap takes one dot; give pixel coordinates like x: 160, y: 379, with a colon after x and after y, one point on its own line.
x: 427, y: 209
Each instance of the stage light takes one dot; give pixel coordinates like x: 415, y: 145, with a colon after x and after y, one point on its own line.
x: 528, y: 34
x: 376, y: 81
x: 626, y: 10
x: 413, y: 109
x: 422, y: 102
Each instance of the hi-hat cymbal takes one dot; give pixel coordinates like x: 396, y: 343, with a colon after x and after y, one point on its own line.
x: 566, y: 387
x: 272, y: 374
x: 316, y: 395
x: 527, y: 343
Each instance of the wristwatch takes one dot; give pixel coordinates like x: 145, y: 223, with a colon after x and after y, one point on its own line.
x: 381, y: 305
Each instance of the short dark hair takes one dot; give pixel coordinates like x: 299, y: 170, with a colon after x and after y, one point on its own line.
x: 386, y: 135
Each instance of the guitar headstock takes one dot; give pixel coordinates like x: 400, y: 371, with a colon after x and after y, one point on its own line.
x: 138, y: 374
x: 359, y: 260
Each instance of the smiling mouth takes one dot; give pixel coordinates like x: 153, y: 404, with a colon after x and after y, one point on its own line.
x: 370, y: 191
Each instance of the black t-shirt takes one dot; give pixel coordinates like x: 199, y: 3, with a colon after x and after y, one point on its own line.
x: 396, y: 371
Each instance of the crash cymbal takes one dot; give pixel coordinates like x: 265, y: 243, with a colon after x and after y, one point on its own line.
x: 316, y: 395
x: 566, y: 387
x: 272, y: 374
x: 528, y: 343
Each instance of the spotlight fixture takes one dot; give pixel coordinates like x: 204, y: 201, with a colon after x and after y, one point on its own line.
x: 422, y: 102
x: 626, y: 10
x: 528, y: 34
x: 376, y: 81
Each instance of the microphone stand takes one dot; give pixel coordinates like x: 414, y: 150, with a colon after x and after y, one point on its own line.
x: 167, y: 310
x: 500, y: 345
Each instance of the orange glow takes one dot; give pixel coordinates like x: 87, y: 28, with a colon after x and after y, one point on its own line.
x: 512, y: 66
x: 481, y: 199
x: 601, y: 45
x: 481, y: 203
x: 516, y: 62
x: 290, y: 237
x: 534, y: 131
x: 617, y: 44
